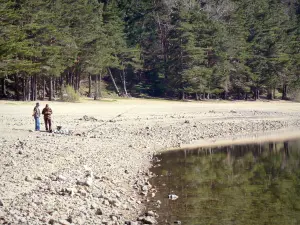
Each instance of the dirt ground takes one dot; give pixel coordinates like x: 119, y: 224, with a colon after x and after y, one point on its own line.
x: 99, y: 174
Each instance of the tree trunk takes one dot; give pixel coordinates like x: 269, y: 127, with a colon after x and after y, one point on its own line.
x: 78, y: 82
x: 271, y: 147
x: 197, y: 96
x: 286, y: 148
x: 50, y: 89
x: 44, y: 88
x: 113, y: 80
x: 33, y: 82
x: 28, y: 89
x: 61, y: 85
x: 53, y: 87
x: 4, y: 87
x: 34, y: 88
x: 96, y: 96
x: 99, y: 85
x: 24, y: 89
x: 124, y: 83
x: 208, y: 96
x: 123, y: 79
x: 182, y: 95
x: 164, y: 46
x: 256, y: 93
x: 75, y: 81
x: 67, y: 77
x: 90, y: 86
x: 274, y: 93
x: 270, y: 94
x: 17, y: 94
x: 57, y: 86
x: 284, y: 92
x: 225, y: 95
x: 71, y: 79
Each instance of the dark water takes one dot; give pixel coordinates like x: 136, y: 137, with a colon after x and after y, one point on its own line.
x: 250, y: 184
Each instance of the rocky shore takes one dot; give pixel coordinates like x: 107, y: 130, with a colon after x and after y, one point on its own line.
x: 98, y: 174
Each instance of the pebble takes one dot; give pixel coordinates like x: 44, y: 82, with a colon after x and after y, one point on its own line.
x: 38, y: 178
x: 71, y: 191
x: 173, y: 196
x: 145, y: 188
x: 22, y: 220
x: 83, y: 192
x: 80, y: 221
x: 61, y: 177
x: 99, y: 212
x: 28, y: 179
x: 150, y: 213
x: 149, y: 220
x: 106, y: 202
x: 94, y: 205
x: 89, y: 181
x: 113, y: 217
x: 116, y: 203
x: 63, y: 222
x: 134, y: 223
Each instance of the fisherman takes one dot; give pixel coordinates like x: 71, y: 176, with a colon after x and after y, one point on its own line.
x: 36, y: 115
x: 47, y: 112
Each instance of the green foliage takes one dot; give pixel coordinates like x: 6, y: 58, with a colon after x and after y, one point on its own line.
x: 69, y: 95
x: 160, y: 48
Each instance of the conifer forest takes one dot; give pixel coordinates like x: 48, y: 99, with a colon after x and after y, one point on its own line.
x: 180, y: 49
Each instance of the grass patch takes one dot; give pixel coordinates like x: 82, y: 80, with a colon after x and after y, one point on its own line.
x: 99, y: 100
x: 69, y: 95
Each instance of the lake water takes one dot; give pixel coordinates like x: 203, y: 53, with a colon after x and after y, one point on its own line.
x: 246, y: 184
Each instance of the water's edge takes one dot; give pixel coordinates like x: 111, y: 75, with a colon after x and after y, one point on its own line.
x: 216, y: 183
x: 260, y: 137
x: 279, y: 135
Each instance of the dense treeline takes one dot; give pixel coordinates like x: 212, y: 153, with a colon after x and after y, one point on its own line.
x: 163, y: 48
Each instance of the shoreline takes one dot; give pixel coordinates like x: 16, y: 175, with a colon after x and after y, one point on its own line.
x: 287, y: 135
x: 102, y: 177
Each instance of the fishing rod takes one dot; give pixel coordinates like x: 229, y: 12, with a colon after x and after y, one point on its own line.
x: 119, y: 115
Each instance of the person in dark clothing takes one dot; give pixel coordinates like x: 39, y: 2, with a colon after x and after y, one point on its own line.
x: 36, y: 115
x: 47, y: 112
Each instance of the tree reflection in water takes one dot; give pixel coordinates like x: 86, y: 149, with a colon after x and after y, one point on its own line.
x: 250, y: 184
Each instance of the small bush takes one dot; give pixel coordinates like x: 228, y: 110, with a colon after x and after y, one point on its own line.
x: 294, y: 94
x: 69, y: 95
x: 296, y: 97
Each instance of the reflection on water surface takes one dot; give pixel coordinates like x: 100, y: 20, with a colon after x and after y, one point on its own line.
x: 251, y: 184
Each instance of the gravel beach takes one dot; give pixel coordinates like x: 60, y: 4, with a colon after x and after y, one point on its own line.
x: 99, y: 174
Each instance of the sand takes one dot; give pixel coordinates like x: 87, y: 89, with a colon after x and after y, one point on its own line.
x: 99, y: 175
